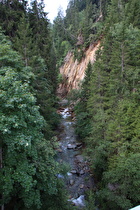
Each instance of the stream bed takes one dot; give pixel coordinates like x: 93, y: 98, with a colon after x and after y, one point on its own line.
x: 78, y: 179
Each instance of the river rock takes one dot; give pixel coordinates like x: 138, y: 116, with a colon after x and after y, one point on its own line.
x: 73, y: 171
x: 81, y: 172
x: 71, y: 146
x: 60, y: 176
x: 81, y: 186
x: 80, y: 158
x: 69, y: 173
x: 71, y: 182
x: 79, y: 144
x: 79, y: 201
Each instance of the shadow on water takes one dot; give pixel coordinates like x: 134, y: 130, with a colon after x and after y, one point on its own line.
x: 78, y: 179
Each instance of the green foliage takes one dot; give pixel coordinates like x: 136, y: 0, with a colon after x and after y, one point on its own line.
x: 90, y: 205
x: 60, y: 78
x: 79, y: 20
x: 10, y: 13
x: 107, y: 105
x: 60, y: 38
x: 23, y: 40
x: 28, y: 171
x: 30, y: 34
x: 110, y: 109
x: 44, y: 91
x: 73, y: 95
x: 122, y: 183
x: 33, y: 42
x: 83, y: 121
x: 78, y: 54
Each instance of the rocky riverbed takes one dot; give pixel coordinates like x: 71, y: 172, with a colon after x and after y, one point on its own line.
x: 78, y: 179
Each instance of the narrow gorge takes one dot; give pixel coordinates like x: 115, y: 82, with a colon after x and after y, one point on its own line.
x: 70, y: 105
x: 79, y: 179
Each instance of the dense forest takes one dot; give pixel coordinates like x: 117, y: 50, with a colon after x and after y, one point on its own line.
x: 28, y: 81
x: 107, y: 107
x: 106, y: 104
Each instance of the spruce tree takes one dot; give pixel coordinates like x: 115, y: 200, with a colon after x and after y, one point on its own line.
x: 23, y: 42
x: 83, y: 125
x: 10, y: 13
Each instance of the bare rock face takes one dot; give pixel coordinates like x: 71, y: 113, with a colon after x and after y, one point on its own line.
x: 73, y: 71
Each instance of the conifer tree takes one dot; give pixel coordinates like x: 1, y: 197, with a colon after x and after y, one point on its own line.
x: 83, y: 125
x: 10, y: 13
x: 42, y: 81
x: 41, y: 35
x: 23, y: 42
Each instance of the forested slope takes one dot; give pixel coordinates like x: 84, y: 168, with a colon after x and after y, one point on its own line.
x: 28, y: 81
x: 108, y: 107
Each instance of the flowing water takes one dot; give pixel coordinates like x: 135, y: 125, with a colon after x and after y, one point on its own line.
x: 78, y: 179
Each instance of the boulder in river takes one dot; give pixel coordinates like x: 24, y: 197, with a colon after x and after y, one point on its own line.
x: 80, y: 201
x: 73, y: 171
x: 79, y: 144
x: 69, y: 173
x: 71, y: 146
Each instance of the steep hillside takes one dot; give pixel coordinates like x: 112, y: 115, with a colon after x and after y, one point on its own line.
x: 73, y: 71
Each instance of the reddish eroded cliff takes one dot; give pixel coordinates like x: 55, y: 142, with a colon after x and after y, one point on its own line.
x: 73, y: 71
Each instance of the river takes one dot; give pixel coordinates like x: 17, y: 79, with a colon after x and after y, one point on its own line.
x: 78, y: 179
